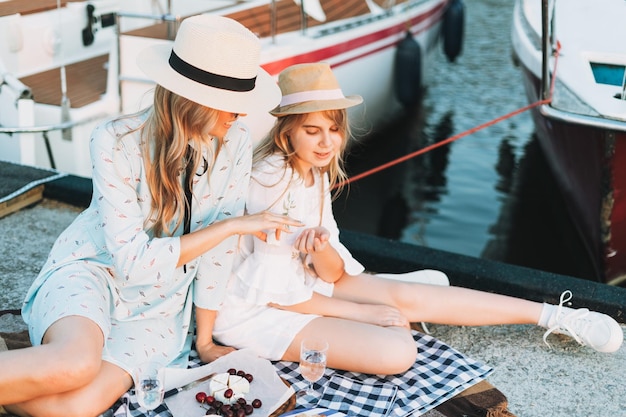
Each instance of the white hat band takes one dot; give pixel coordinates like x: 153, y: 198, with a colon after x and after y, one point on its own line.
x: 311, y: 95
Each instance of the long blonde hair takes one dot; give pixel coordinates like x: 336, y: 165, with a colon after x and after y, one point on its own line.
x: 173, y: 124
x: 277, y: 142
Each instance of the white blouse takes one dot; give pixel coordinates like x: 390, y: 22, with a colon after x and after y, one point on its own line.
x: 275, y: 271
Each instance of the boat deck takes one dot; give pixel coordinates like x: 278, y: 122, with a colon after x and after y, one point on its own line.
x: 10, y: 7
x: 288, y: 17
x: 83, y: 90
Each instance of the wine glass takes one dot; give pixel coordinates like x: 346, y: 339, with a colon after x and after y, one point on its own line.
x: 149, y: 385
x: 312, y: 364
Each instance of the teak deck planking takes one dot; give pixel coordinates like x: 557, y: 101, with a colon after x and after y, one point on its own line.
x: 86, y: 80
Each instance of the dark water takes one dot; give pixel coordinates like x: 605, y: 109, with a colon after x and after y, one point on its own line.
x: 490, y: 194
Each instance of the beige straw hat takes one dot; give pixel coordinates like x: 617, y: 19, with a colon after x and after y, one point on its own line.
x: 214, y: 62
x: 309, y: 88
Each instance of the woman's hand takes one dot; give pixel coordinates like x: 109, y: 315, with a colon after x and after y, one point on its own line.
x: 212, y: 351
x: 327, y: 263
x: 312, y: 240
x: 255, y: 224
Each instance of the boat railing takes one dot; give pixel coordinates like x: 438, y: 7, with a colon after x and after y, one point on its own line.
x: 21, y: 90
x: 355, y: 22
x: 569, y: 117
x: 9, y: 130
x: 46, y: 129
x: 175, y: 19
x: 547, y: 45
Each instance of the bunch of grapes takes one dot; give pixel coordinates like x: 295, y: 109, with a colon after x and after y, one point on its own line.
x: 240, y: 408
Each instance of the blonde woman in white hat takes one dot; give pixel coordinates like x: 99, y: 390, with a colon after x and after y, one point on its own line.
x: 120, y: 284
x: 306, y: 284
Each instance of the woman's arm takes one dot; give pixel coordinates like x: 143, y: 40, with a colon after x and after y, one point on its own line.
x: 199, y: 242
x: 205, y: 346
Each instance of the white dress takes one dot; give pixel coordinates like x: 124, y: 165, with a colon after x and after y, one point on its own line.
x: 108, y: 267
x: 274, y: 271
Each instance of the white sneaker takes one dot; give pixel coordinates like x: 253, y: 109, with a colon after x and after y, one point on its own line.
x: 423, y: 276
x: 589, y: 328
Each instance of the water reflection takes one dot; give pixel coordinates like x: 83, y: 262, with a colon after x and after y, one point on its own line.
x: 506, y: 166
x: 427, y: 180
x: 377, y: 203
x: 531, y: 227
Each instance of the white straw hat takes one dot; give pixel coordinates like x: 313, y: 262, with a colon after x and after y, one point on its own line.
x: 309, y: 88
x: 214, y: 62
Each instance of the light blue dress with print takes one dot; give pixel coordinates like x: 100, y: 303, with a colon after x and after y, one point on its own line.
x: 108, y: 267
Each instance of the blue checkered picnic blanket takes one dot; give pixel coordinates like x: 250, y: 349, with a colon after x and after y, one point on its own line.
x: 439, y: 373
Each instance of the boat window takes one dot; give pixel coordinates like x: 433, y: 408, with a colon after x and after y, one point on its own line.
x: 608, y: 73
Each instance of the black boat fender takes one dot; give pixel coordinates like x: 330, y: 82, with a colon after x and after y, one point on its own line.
x: 88, y: 31
x: 452, y: 29
x: 408, y: 71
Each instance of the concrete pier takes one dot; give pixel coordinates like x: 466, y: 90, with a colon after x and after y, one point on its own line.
x: 565, y: 381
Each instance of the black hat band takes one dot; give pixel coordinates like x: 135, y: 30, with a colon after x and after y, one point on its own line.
x: 208, y: 78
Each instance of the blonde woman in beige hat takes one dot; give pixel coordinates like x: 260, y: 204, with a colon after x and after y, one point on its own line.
x: 306, y: 283
x: 158, y: 240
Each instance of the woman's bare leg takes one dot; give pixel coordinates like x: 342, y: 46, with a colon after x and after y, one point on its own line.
x: 359, y: 347
x: 63, y: 376
x: 439, y: 304
x: 88, y: 401
x: 378, y: 314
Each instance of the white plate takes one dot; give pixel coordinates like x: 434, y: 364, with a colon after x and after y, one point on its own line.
x: 312, y: 411
x: 267, y: 385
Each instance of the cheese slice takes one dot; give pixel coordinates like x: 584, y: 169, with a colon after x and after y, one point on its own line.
x: 221, y: 378
x: 239, y: 384
x: 218, y: 383
x: 221, y: 382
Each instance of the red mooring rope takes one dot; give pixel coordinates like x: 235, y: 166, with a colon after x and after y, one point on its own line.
x: 462, y: 134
